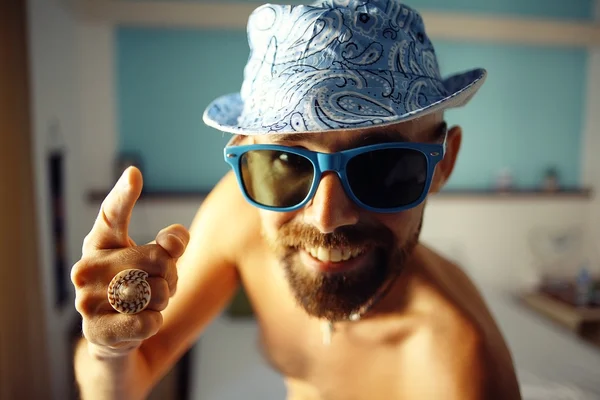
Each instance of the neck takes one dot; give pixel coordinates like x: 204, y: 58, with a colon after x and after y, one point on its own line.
x: 372, y: 306
x: 393, y: 295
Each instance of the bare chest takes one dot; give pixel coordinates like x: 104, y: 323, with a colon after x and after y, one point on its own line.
x: 359, y: 362
x: 379, y: 358
x: 348, y: 367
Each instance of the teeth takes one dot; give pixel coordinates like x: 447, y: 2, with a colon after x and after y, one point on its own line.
x: 334, y: 254
x: 346, y: 254
x: 323, y: 254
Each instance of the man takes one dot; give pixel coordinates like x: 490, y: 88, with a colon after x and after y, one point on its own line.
x: 339, y: 137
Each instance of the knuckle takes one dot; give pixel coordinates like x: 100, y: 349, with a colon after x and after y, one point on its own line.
x: 159, y: 258
x: 151, y: 257
x: 88, y: 270
x: 161, y: 294
x: 172, y: 278
x: 157, y: 254
x: 137, y: 326
x: 85, y: 303
x: 143, y: 325
x: 107, y: 213
x: 136, y: 256
x: 161, y: 303
x: 78, y: 273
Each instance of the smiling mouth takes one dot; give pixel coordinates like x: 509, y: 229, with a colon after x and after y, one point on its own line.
x: 335, y: 254
x: 335, y: 259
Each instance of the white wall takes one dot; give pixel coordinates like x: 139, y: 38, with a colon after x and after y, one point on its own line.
x: 73, y: 83
x: 492, y: 238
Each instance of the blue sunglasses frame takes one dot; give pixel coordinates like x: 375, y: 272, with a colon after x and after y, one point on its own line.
x: 336, y: 162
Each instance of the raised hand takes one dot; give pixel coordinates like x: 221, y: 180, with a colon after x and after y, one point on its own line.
x: 108, y: 251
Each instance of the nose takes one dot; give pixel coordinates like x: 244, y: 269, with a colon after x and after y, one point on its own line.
x: 331, y: 208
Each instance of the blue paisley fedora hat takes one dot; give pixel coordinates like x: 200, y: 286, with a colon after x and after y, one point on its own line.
x: 338, y: 65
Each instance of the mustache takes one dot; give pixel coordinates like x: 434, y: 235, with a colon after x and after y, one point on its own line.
x: 296, y: 235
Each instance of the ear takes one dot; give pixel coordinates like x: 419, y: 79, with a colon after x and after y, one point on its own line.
x: 444, y: 168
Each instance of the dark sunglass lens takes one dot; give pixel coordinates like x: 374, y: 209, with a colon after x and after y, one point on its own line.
x: 276, y: 178
x: 388, y: 178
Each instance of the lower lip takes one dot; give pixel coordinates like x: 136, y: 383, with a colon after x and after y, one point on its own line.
x: 333, y: 267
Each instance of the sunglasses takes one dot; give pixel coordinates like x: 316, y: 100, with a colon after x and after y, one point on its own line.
x: 383, y: 178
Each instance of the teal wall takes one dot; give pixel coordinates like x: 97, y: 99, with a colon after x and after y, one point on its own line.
x: 576, y: 9
x: 527, y: 116
x: 165, y: 80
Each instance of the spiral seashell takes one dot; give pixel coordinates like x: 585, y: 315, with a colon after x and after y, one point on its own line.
x: 129, y: 292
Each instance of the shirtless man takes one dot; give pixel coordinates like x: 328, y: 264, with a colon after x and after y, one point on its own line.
x: 339, y: 137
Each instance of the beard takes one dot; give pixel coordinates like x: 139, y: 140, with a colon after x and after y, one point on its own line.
x: 336, y: 296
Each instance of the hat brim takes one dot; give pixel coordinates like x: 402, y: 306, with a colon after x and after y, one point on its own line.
x: 224, y: 112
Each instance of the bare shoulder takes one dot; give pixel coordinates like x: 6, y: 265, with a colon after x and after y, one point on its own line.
x: 444, y: 285
x: 444, y: 356
x: 457, y: 337
x: 227, y: 217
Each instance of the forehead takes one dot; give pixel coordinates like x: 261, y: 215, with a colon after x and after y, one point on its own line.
x: 421, y: 130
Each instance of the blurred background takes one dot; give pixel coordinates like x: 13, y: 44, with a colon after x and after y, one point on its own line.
x: 90, y: 86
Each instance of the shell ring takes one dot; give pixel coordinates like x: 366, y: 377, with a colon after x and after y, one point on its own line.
x: 129, y: 291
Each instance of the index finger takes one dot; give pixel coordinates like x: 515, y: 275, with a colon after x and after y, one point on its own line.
x: 111, y: 228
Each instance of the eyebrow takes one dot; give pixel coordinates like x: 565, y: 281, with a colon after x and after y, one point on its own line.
x: 291, y: 138
x: 368, y: 139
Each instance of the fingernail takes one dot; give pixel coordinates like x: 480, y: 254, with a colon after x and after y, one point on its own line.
x: 176, y: 238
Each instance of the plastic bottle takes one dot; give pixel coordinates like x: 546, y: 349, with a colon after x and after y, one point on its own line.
x: 583, y: 287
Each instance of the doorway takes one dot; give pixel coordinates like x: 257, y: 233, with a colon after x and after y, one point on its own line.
x: 23, y: 356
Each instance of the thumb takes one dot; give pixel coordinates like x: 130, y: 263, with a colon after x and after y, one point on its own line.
x: 174, y: 239
x: 111, y: 227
